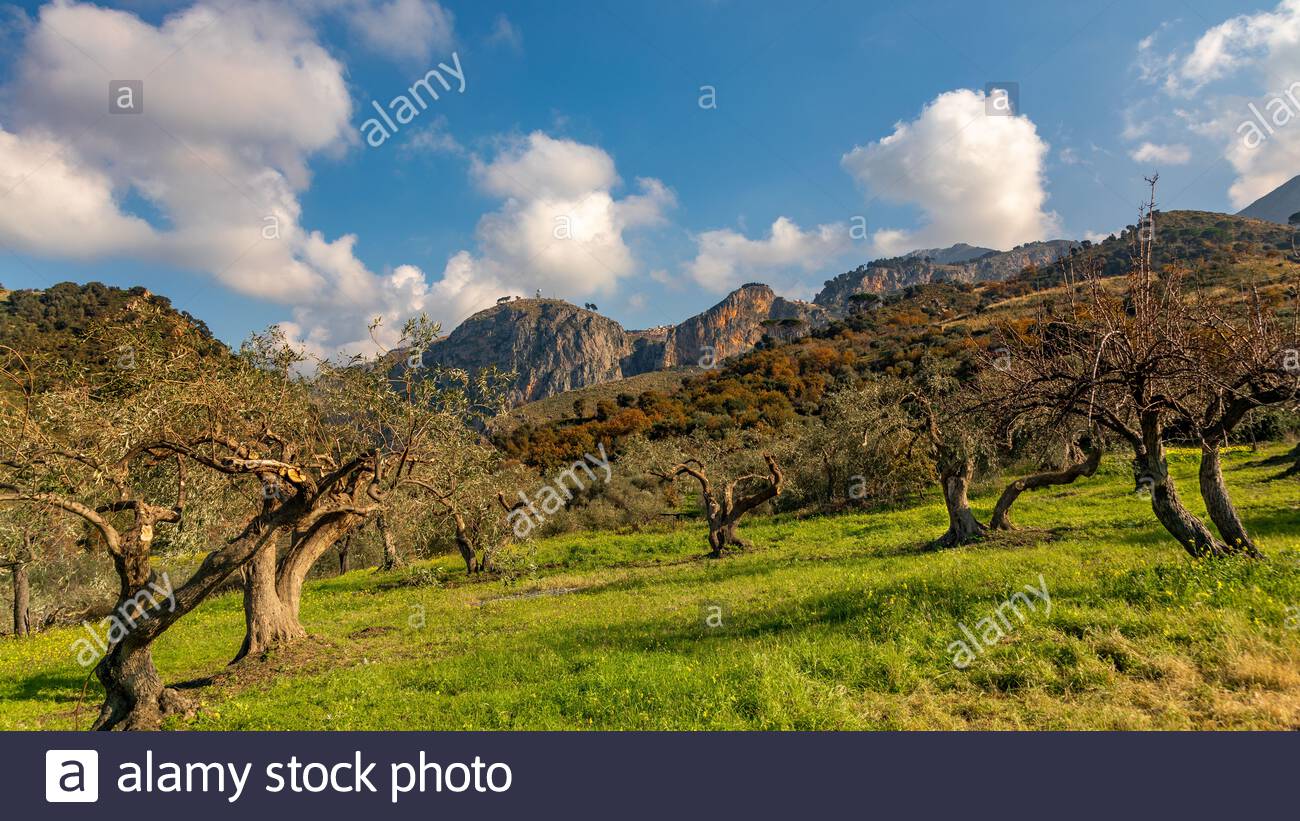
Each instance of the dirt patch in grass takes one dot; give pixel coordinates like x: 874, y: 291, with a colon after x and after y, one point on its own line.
x: 304, y: 657
x: 310, y: 655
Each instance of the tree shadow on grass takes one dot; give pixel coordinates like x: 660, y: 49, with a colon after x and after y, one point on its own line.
x: 54, y: 687
x: 195, y: 683
x: 728, y: 568
x: 1272, y: 524
x: 1276, y: 523
x: 876, y: 613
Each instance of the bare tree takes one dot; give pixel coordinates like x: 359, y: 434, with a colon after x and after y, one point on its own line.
x: 953, y: 452
x: 722, y: 508
x: 945, y: 421
x: 1241, y: 358
x: 1132, y: 357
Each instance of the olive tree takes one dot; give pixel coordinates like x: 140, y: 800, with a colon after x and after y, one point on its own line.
x: 383, y: 437
x: 727, y: 495
x: 101, y: 445
x: 1142, y: 357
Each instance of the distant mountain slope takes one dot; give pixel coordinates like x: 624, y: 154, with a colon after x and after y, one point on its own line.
x: 1276, y: 206
x: 951, y: 321
x: 733, y: 326
x: 67, y: 309
x: 551, y: 345
x: 956, y: 264
x: 554, y: 346
x: 561, y: 406
x: 961, y: 252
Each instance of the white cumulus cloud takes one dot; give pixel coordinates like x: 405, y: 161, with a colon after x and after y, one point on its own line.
x: 1165, y: 154
x: 236, y: 102
x: 1239, y: 85
x: 561, y: 228
x: 726, y: 259
x: 406, y: 31
x: 977, y: 178
x: 1267, y: 39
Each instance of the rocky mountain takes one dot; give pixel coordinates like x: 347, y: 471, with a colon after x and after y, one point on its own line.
x: 936, y: 265
x: 733, y: 326
x: 1276, y: 206
x: 554, y: 346
x: 961, y: 252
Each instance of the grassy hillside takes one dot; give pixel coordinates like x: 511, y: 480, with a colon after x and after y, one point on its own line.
x: 837, y: 622
x: 560, y: 407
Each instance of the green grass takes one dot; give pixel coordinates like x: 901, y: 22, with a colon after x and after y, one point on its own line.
x: 830, y: 623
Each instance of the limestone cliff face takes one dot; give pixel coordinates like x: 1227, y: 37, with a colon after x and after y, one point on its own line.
x: 737, y: 324
x: 554, y: 346
x: 1009, y: 263
x: 922, y: 267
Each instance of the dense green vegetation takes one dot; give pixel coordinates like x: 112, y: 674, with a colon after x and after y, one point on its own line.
x: 61, y: 314
x: 833, y: 622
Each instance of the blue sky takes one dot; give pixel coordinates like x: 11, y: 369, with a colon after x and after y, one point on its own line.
x: 591, y: 111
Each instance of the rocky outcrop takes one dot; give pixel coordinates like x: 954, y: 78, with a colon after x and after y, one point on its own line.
x: 952, y: 255
x: 551, y: 345
x: 936, y: 265
x: 1006, y: 264
x: 735, y: 325
x: 554, y: 346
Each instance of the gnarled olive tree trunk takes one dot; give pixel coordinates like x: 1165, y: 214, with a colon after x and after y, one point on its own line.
x: 267, y: 622
x: 345, y: 554
x: 392, y: 559
x: 133, y: 689
x: 465, y: 545
x: 22, y: 598
x: 1219, y: 505
x: 723, y: 510
x: 273, y: 586
x: 134, y: 697
x: 1151, y: 470
x: 955, y: 474
x: 1073, y: 470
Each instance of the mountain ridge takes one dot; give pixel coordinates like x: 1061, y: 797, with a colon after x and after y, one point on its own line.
x: 554, y: 346
x: 957, y: 263
x: 1277, y: 205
